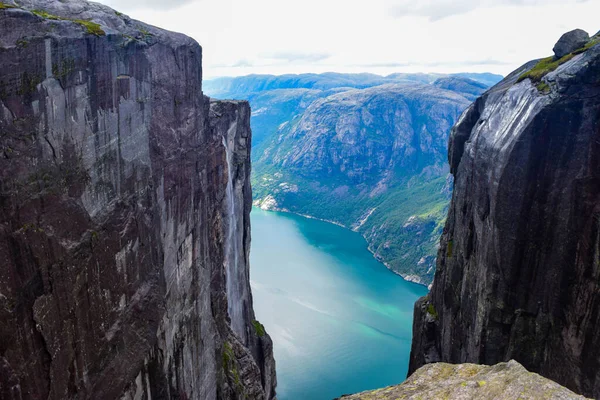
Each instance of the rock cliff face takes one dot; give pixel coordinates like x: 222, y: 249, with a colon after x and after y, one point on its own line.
x: 124, y: 215
x: 518, y: 271
x: 504, y: 381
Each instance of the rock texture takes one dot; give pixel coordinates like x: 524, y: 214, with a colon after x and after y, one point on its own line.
x: 124, y: 215
x: 505, y: 381
x: 518, y: 271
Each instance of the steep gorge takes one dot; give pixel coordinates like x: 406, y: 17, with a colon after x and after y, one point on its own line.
x: 360, y: 150
x: 124, y: 215
x: 518, y: 270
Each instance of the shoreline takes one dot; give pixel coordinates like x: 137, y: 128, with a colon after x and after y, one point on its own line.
x: 369, y: 248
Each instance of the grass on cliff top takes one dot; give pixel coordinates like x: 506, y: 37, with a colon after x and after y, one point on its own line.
x: 91, y: 27
x: 543, y: 67
x: 549, y: 64
x: 4, y: 6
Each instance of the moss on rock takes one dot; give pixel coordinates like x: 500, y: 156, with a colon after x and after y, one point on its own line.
x: 91, y: 27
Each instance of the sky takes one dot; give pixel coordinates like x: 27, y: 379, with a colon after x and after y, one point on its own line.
x: 242, y: 37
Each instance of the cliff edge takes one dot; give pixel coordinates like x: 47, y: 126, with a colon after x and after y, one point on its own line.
x: 518, y: 270
x: 124, y: 215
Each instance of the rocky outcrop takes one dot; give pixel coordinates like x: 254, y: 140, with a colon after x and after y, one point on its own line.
x: 518, y: 271
x: 124, y: 215
x: 505, y: 381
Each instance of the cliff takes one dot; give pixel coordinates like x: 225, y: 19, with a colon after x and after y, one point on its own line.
x: 124, y: 215
x: 518, y: 270
x: 505, y: 381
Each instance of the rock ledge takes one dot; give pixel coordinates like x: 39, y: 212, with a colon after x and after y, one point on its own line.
x: 503, y: 381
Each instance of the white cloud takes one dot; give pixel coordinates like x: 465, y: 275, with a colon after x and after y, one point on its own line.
x: 145, y: 4
x: 288, y: 36
x: 290, y: 56
x: 438, y: 9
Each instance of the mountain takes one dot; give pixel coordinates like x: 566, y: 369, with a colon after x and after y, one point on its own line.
x: 518, y: 270
x: 467, y: 87
x: 243, y: 86
x: 371, y: 159
x: 124, y: 215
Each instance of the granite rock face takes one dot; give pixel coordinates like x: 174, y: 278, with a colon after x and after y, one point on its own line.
x: 518, y: 271
x: 124, y: 215
x: 505, y: 381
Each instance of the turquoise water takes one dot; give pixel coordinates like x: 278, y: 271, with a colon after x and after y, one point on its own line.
x: 340, y: 321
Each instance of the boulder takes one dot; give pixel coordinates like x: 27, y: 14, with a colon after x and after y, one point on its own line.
x: 570, y: 41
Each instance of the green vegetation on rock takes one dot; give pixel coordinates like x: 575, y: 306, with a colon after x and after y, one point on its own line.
x: 543, y: 87
x: 91, y: 27
x: 549, y: 64
x: 543, y: 67
x: 431, y: 311
x: 230, y: 366
x: 46, y: 15
x: 259, y: 328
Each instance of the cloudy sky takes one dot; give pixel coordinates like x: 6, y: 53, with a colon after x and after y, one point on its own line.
x: 241, y: 37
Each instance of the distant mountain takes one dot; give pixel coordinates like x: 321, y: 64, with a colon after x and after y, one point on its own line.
x: 467, y: 87
x: 247, y: 85
x: 486, y: 78
x: 371, y: 158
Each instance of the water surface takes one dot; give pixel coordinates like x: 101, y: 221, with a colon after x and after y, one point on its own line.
x: 340, y: 321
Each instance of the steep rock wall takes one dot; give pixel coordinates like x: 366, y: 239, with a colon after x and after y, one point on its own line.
x: 115, y: 215
x: 518, y: 271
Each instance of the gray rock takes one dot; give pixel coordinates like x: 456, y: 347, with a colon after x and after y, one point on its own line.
x: 570, y: 41
x: 115, y: 217
x: 504, y: 381
x: 517, y: 274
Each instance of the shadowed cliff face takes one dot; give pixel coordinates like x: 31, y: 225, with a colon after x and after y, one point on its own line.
x: 518, y: 271
x: 116, y: 225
